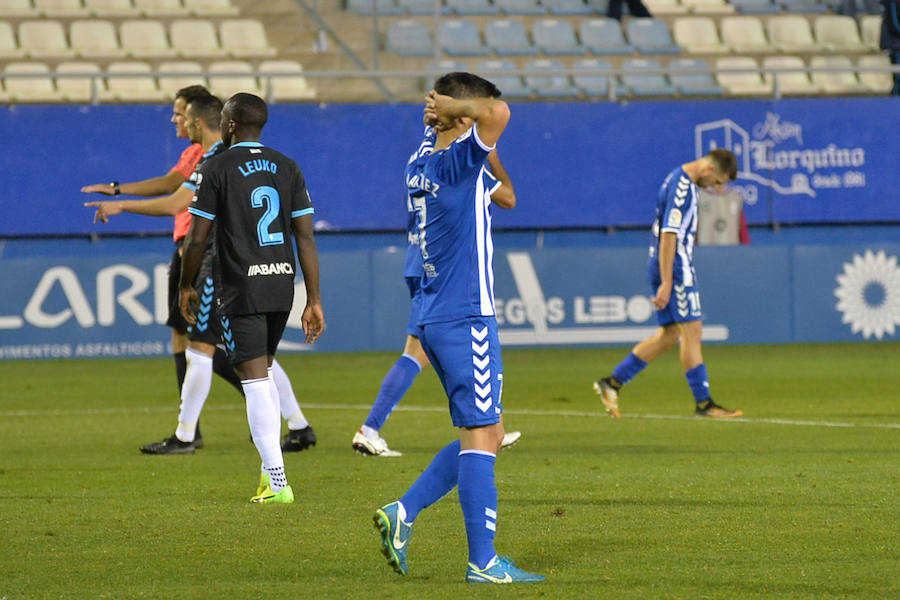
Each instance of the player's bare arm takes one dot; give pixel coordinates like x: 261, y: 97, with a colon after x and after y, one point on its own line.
x: 667, y: 241
x: 490, y: 114
x: 191, y: 257
x: 165, y: 206
x: 505, y: 195
x: 156, y: 186
x: 313, y: 318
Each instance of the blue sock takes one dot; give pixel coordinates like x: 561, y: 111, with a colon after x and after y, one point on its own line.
x: 628, y: 368
x: 699, y: 383
x: 434, y: 483
x: 478, y: 498
x: 395, y: 385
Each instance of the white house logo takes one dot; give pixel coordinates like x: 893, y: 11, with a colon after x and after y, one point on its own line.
x: 868, y: 294
x: 776, y: 157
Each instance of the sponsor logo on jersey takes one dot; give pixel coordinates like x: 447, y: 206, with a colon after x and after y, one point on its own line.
x: 282, y: 268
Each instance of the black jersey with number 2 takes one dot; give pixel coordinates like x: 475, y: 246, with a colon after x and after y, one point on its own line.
x: 252, y: 193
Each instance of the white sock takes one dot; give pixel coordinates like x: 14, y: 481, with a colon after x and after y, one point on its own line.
x: 197, y: 380
x: 265, y: 425
x: 277, y: 478
x: 370, y: 433
x: 290, y: 408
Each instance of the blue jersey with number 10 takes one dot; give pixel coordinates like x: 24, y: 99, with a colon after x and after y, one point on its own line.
x: 447, y: 189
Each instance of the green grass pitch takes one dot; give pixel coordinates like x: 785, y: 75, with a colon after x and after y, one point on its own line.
x: 798, y: 500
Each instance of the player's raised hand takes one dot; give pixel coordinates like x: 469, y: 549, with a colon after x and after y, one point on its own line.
x: 436, y: 108
x: 187, y: 300
x: 99, y: 188
x: 313, y: 321
x: 104, y: 210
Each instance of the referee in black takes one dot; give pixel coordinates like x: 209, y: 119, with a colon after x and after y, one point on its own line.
x: 256, y: 197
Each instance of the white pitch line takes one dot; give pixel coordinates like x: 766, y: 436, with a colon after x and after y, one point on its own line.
x: 443, y: 409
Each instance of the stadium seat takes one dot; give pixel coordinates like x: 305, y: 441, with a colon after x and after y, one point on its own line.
x: 835, y: 82
x: 650, y: 36
x: 878, y: 82
x: 138, y: 88
x: 745, y: 35
x: 549, y: 85
x: 839, y: 32
x: 471, y: 7
x: 698, y: 35
x: 419, y: 7
x: 701, y: 7
x: 245, y: 37
x: 145, y: 38
x: 111, y: 8
x: 79, y: 89
x: 461, y: 38
x: 8, y: 46
x: 95, y: 39
x: 31, y: 89
x: 508, y: 38
x: 604, y: 36
x: 789, y: 83
x: 211, y: 8
x: 640, y: 83
x: 755, y: 6
x: 44, y: 39
x: 693, y: 84
x: 409, y: 38
x: 504, y: 74
x: 791, y: 33
x: 520, y: 7
x: 446, y: 65
x: 666, y: 7
x: 193, y: 38
x: 226, y: 86
x: 567, y: 7
x: 61, y: 8
x: 554, y: 36
x: 285, y: 88
x: 161, y: 8
x: 370, y: 7
x: 179, y: 74
x: 601, y: 7
x: 746, y: 83
x: 870, y: 25
x: 17, y: 9
x: 803, y: 6
x: 595, y: 85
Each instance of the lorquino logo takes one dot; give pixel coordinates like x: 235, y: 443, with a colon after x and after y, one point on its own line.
x: 868, y: 294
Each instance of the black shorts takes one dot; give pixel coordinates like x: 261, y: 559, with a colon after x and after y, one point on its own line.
x: 175, y: 320
x: 250, y: 336
x: 207, y: 329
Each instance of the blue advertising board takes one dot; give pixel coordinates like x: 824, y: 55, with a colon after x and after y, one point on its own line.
x: 580, y: 165
x: 84, y: 307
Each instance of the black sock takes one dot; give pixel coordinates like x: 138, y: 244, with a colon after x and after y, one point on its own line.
x: 222, y: 367
x: 180, y: 369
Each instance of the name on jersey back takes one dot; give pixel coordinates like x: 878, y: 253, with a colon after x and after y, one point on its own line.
x: 256, y: 165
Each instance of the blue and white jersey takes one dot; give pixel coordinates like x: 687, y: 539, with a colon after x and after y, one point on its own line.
x: 676, y: 212
x: 413, y: 264
x: 452, y: 203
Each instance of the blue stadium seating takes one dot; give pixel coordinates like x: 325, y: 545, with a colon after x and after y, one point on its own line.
x: 645, y: 84
x: 368, y: 7
x: 520, y: 7
x: 461, y: 38
x: 508, y: 38
x: 549, y: 86
x: 651, y: 36
x: 693, y: 84
x: 472, y: 7
x: 504, y: 74
x: 755, y: 6
x: 554, y: 36
x: 567, y: 7
x: 420, y: 7
x: 603, y: 36
x: 593, y: 85
x: 409, y: 38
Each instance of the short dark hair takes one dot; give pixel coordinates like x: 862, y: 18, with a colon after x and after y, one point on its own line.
x: 191, y: 92
x: 465, y: 85
x: 725, y: 162
x: 208, y: 108
x: 248, y: 110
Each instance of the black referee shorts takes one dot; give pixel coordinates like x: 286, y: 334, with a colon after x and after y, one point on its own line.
x: 250, y: 336
x: 175, y: 320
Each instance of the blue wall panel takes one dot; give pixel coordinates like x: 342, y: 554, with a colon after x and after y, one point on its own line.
x: 573, y: 164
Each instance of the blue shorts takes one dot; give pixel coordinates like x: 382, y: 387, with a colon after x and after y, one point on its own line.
x: 415, y: 304
x: 683, y: 306
x: 466, y: 358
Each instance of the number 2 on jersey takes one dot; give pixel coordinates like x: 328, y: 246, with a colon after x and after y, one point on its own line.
x: 268, y: 197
